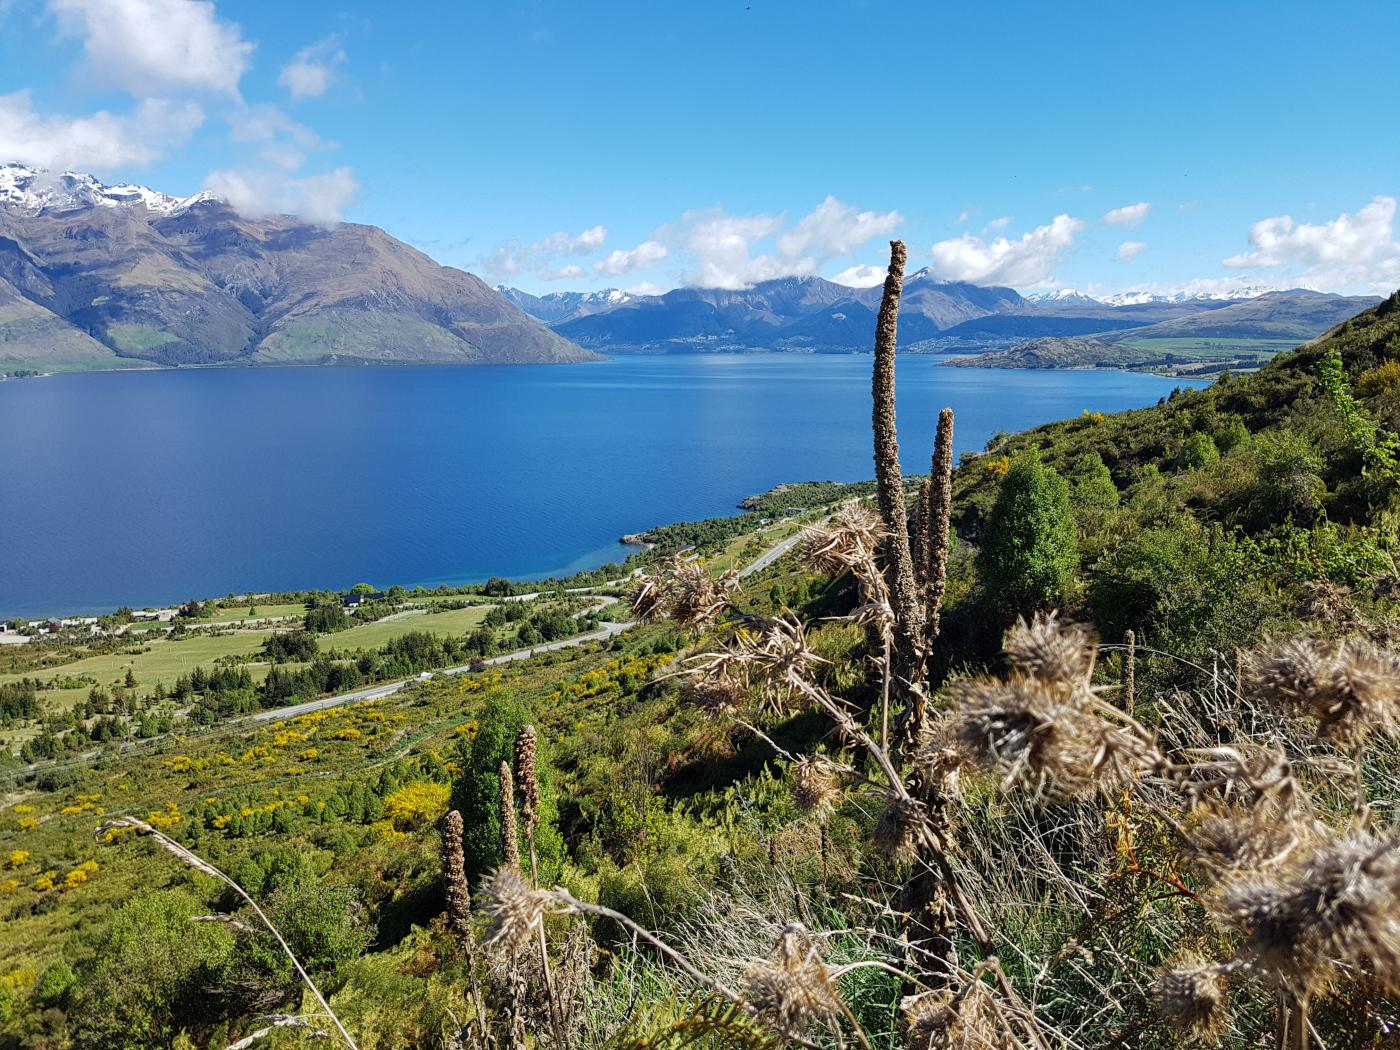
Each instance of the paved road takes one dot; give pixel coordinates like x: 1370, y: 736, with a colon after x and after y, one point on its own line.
x: 603, y: 632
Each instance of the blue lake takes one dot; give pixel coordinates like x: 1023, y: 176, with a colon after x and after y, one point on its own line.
x: 152, y: 487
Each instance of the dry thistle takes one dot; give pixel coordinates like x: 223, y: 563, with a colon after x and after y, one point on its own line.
x: 1051, y: 651
x: 903, y: 829
x: 1052, y: 738
x: 1220, y: 842
x: 454, y: 876
x: 1332, y: 904
x: 510, y: 837
x: 525, y: 748
x: 515, y: 910
x: 685, y: 592
x: 1349, y: 688
x: 720, y: 696
x: 1190, y: 995
x: 792, y: 987
x: 816, y: 785
x: 947, y: 1021
x: 772, y: 654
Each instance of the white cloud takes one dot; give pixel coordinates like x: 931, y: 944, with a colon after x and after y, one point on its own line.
x: 645, y: 288
x: 1000, y: 223
x: 722, y: 246
x: 100, y: 142
x: 1129, y: 250
x: 1128, y: 215
x: 510, y: 259
x: 281, y: 140
x: 643, y: 257
x: 1027, y: 261
x: 834, y: 228
x: 311, y: 70
x: 316, y: 198
x: 860, y: 276
x: 1351, y: 250
x: 154, y: 47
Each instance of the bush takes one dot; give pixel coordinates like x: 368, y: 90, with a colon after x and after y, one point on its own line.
x: 1028, y: 554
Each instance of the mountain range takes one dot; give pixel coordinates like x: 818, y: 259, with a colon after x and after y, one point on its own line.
x: 95, y: 276
x: 815, y: 315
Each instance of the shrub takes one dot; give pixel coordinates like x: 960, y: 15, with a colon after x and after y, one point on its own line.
x: 1028, y: 554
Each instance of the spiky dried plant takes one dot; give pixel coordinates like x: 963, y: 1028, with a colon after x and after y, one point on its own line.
x: 793, y: 988
x: 1223, y: 841
x: 903, y: 830
x: 934, y: 554
x: 525, y: 774
x: 454, y: 877
x: 515, y: 910
x: 1043, y: 725
x: 1332, y: 905
x: 684, y: 591
x: 1191, y: 996
x: 898, y: 560
x: 510, y: 836
x: 962, y: 1020
x: 1350, y: 688
x: 1053, y: 651
x: 770, y: 657
x: 816, y: 784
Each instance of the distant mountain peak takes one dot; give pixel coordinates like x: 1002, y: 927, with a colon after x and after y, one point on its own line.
x: 32, y: 191
x: 1063, y: 297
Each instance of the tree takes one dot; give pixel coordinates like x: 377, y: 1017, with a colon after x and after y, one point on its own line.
x: 1028, y: 554
x: 477, y: 792
x: 1198, y: 451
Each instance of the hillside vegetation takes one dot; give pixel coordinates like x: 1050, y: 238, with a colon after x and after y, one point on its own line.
x: 850, y: 800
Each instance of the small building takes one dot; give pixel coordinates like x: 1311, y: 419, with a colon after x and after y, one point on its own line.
x: 355, y: 599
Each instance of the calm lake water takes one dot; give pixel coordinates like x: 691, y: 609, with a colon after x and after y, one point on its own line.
x: 154, y: 487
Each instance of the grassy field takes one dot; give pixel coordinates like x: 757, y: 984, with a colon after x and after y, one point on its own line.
x: 1205, y: 349
x: 372, y: 635
x: 238, y: 614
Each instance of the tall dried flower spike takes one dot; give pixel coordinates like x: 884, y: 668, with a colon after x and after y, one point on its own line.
x: 454, y: 877
x: 510, y: 837
x: 1190, y: 995
x: 792, y: 988
x: 934, y: 554
x: 525, y: 748
x: 889, y: 482
x: 1130, y: 673
x: 919, y: 527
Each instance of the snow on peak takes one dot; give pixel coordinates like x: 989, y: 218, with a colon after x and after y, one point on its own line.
x: 1062, y: 295
x: 32, y: 191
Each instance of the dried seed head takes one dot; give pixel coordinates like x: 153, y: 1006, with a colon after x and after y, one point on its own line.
x: 938, y: 762
x: 854, y: 533
x: 510, y: 837
x: 903, y: 829
x: 944, y: 1021
x: 525, y: 747
x: 1051, y: 651
x: 816, y: 785
x: 1219, y: 842
x: 720, y: 695
x: 515, y: 910
x: 793, y: 987
x: 454, y: 876
x: 772, y: 654
x: 1045, y: 736
x: 683, y: 591
x: 1349, y: 688
x: 1190, y: 995
x: 1332, y: 904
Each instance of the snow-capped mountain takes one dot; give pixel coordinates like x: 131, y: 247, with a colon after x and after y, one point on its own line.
x: 553, y: 307
x: 1249, y: 291
x: 1063, y: 297
x: 32, y: 192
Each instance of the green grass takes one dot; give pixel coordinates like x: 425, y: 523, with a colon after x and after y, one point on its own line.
x: 1196, y: 348
x: 135, y: 337
x: 372, y: 635
x: 239, y: 613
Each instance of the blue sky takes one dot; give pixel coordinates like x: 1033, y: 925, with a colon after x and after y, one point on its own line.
x: 560, y: 146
